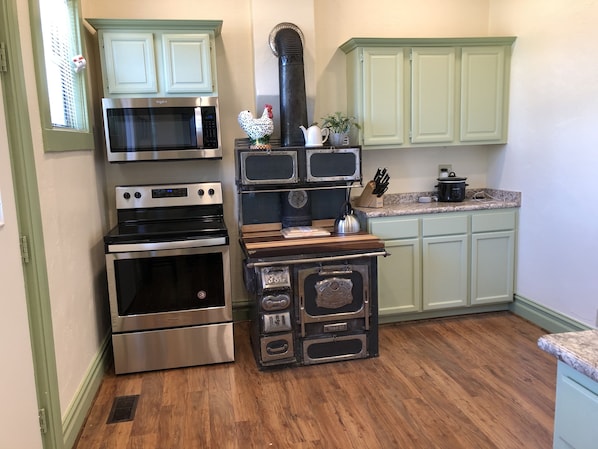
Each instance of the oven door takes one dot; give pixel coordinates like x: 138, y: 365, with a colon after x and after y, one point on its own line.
x: 333, y: 164
x: 169, y: 288
x: 333, y: 293
x: 276, y: 167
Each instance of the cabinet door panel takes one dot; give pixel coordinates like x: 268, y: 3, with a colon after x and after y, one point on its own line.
x: 187, y: 63
x: 399, y: 278
x: 383, y: 96
x: 130, y: 63
x: 445, y: 270
x: 492, y: 267
x: 482, y: 94
x: 576, y: 411
x: 433, y: 95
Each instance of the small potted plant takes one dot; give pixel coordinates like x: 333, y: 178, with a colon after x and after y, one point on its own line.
x: 339, y: 124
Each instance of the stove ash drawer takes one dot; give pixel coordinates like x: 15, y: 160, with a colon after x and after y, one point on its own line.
x: 334, y: 349
x: 277, y: 348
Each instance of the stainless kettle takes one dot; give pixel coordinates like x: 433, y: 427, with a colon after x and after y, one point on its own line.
x: 346, y: 223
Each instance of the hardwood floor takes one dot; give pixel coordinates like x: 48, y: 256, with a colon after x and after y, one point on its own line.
x: 476, y: 382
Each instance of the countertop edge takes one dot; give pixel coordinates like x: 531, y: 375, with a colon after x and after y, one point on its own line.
x: 579, y: 350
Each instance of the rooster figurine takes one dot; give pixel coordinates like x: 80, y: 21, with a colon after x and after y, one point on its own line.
x: 258, y: 129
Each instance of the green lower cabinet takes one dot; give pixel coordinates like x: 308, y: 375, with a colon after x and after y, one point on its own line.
x: 492, y: 267
x: 445, y: 267
x: 399, y: 278
x: 576, y: 412
x: 454, y: 262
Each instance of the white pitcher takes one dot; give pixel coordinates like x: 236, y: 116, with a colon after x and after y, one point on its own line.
x: 315, y: 136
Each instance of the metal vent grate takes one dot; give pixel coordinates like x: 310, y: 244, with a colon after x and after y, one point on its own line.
x: 123, y: 409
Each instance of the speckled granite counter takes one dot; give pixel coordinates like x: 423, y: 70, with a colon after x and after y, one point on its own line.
x: 579, y: 350
x: 407, y: 203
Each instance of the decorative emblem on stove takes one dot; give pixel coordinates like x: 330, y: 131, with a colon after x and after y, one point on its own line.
x: 333, y: 293
x: 202, y: 294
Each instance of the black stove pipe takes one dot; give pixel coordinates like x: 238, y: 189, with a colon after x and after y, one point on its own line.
x: 291, y: 78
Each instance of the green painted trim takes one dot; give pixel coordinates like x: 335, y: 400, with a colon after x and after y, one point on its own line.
x: 444, y: 313
x: 357, y: 42
x: 73, y: 420
x: 241, y: 311
x: 156, y: 24
x: 30, y: 224
x: 544, y: 317
x: 57, y: 139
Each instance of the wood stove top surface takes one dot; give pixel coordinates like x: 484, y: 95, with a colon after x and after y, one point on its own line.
x: 265, y: 242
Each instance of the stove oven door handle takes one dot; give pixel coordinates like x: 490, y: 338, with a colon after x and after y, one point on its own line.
x: 301, y: 260
x: 366, y: 306
x: 302, y: 312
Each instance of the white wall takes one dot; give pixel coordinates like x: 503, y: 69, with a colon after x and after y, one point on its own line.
x: 17, y: 385
x: 552, y: 155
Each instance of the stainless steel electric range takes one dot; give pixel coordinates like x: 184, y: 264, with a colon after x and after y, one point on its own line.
x: 168, y: 269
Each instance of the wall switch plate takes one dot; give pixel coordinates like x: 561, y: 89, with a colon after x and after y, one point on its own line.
x: 447, y: 167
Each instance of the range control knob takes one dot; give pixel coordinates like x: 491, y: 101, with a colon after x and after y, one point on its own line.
x: 137, y: 195
x: 126, y: 195
x: 201, y: 192
x: 211, y: 192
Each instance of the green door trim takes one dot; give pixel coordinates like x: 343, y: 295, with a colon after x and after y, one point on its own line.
x: 30, y: 228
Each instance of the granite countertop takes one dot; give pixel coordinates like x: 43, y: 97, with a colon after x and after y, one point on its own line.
x: 408, y: 204
x: 579, y: 350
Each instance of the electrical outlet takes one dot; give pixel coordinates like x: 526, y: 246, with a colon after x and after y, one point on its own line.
x: 447, y: 167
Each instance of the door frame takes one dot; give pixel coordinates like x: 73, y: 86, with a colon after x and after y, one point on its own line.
x: 22, y: 157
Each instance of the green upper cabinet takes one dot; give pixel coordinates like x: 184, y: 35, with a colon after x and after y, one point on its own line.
x: 433, y: 95
x: 484, y: 94
x: 129, y: 63
x: 429, y: 92
x: 383, y: 99
x: 157, y: 57
x: 187, y: 66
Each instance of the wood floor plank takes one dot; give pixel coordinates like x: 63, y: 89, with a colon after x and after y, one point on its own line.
x: 472, y: 382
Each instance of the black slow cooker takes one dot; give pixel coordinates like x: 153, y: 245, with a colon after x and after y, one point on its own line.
x: 451, y: 188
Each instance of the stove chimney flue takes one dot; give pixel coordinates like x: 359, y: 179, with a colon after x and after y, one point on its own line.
x: 286, y: 41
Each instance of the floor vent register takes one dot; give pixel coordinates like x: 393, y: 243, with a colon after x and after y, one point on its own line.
x: 123, y: 409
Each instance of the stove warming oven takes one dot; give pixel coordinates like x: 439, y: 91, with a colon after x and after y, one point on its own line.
x: 168, y: 269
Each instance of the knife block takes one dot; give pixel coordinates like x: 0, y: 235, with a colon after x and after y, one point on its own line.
x: 368, y: 198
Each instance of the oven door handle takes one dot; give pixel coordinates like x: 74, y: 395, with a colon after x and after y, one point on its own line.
x: 366, y: 306
x: 175, y: 244
x: 316, y: 259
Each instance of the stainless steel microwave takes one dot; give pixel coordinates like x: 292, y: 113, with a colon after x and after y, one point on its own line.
x: 298, y: 166
x: 146, y: 129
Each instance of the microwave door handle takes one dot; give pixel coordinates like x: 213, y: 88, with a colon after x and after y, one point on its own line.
x: 199, y: 127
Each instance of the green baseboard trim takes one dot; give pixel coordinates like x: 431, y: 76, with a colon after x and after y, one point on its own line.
x: 241, y: 311
x: 77, y: 411
x: 542, y: 316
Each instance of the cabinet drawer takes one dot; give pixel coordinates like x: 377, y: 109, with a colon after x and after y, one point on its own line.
x: 395, y: 228
x: 444, y: 225
x: 494, y: 221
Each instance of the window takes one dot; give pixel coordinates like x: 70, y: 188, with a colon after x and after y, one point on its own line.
x: 62, y: 90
